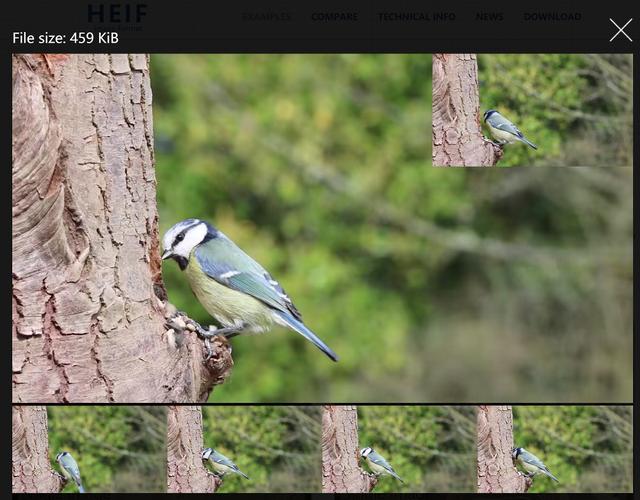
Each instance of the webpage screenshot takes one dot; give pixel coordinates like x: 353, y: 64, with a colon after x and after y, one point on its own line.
x: 319, y: 248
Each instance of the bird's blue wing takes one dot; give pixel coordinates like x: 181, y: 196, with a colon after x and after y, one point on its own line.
x: 501, y: 123
x: 219, y: 458
x: 533, y: 460
x: 72, y: 466
x: 379, y: 460
x: 225, y: 262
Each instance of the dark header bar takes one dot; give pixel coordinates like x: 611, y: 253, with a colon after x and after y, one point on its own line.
x: 260, y: 26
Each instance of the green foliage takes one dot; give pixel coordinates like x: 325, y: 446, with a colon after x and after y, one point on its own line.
x: 456, y: 284
x: 588, y: 448
x: 576, y: 107
x: 118, y: 448
x: 278, y: 447
x: 432, y: 448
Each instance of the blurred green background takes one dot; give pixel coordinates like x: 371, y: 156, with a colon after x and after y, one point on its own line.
x: 278, y: 447
x: 577, y: 108
x: 432, y: 448
x: 588, y: 448
x: 432, y: 285
x: 117, y: 448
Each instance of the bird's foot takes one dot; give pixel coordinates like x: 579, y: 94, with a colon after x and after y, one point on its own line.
x: 180, y: 322
x: 207, y: 346
x: 494, y: 143
x: 176, y: 322
x: 62, y: 477
x: 212, y: 332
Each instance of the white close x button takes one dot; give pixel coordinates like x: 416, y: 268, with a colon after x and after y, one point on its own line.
x: 620, y: 30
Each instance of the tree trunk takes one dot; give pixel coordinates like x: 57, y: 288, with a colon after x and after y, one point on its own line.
x: 31, y: 469
x: 88, y: 299
x: 496, y: 470
x: 457, y: 135
x: 341, y: 472
x: 185, y: 470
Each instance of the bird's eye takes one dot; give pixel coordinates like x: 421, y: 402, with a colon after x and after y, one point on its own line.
x: 179, y: 238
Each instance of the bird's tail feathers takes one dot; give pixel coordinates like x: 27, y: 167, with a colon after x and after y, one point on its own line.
x: 299, y: 327
x: 527, y: 141
x: 80, y: 489
x: 394, y: 474
x: 551, y: 476
x: 242, y: 474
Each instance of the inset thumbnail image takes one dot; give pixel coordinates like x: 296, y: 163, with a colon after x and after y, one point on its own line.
x: 532, y: 109
x: 257, y: 448
x: 555, y: 449
x: 71, y: 449
x: 398, y: 449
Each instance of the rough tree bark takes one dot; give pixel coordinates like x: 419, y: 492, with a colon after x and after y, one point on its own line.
x: 88, y: 299
x: 185, y: 470
x: 341, y: 472
x: 496, y: 470
x: 31, y: 469
x: 457, y: 135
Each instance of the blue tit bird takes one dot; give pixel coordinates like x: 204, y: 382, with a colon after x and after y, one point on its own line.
x: 532, y: 464
x: 237, y: 291
x: 70, y: 468
x: 503, y: 130
x: 377, y: 463
x: 221, y: 464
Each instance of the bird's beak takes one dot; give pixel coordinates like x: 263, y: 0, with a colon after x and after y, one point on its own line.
x: 166, y: 254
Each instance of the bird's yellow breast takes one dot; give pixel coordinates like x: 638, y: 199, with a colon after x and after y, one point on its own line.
x: 501, y: 135
x: 228, y: 306
x: 530, y: 467
x: 221, y: 467
x: 378, y: 469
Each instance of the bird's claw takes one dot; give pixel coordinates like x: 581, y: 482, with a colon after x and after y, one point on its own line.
x: 493, y: 143
x: 181, y: 322
x: 207, y: 345
x: 176, y: 322
x: 205, y: 333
